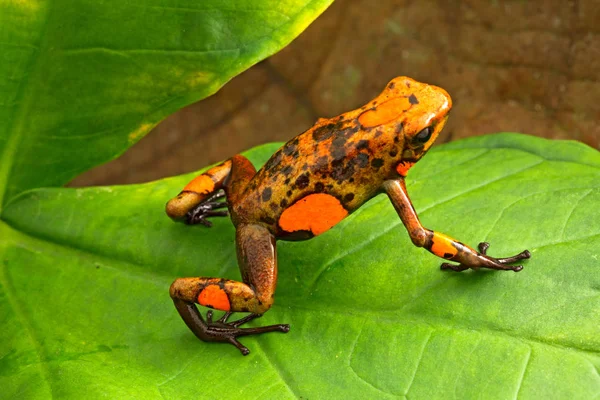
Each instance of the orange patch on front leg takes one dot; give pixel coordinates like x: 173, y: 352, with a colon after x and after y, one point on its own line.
x: 442, y: 246
x: 214, y: 297
x: 201, y: 184
x: 316, y: 213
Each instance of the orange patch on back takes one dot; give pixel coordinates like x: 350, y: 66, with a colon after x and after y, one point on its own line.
x: 442, y: 246
x: 403, y: 167
x: 385, y: 112
x: 201, y: 184
x: 316, y: 212
x: 215, y: 297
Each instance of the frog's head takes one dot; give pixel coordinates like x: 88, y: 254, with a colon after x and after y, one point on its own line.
x: 414, y: 111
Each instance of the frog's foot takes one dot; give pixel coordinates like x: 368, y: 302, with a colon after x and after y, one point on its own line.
x: 198, y: 214
x: 223, y: 331
x: 485, y: 261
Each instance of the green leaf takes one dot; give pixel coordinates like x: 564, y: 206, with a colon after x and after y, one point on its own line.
x: 85, y: 310
x: 80, y: 82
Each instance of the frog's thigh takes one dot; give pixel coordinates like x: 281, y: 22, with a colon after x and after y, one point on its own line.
x: 242, y: 171
x: 257, y: 259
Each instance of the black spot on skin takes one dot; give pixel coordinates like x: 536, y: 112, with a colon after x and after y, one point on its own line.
x: 287, y: 180
x: 329, y: 186
x: 349, y: 132
x: 376, y: 163
x: 399, y: 128
x: 287, y: 170
x: 413, y: 99
x: 362, y: 144
x: 392, y: 85
x: 447, y: 256
x: 362, y: 160
x: 396, y: 139
x: 337, y: 149
x: 290, y: 147
x: 305, y: 167
x: 349, y: 197
x: 408, y: 84
x: 378, y: 133
x: 340, y: 171
x: 393, y: 152
x: 302, y: 181
x: 274, y: 160
x: 269, y: 220
x: 266, y: 194
x: 273, y: 206
x: 351, y: 180
x: 319, y: 187
x: 321, y: 162
x: 289, y: 193
x: 296, y: 235
x: 283, y: 203
x: 375, y: 103
x: 323, y: 132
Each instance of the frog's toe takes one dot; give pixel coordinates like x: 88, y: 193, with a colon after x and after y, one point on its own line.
x: 198, y: 214
x: 223, y: 331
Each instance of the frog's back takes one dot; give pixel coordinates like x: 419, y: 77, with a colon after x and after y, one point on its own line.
x: 317, y: 178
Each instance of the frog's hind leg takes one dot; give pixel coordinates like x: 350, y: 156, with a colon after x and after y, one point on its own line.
x: 258, y: 264
x: 199, y: 199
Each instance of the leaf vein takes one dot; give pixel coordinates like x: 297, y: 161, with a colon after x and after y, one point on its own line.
x: 26, y: 323
x: 522, y: 377
x: 421, y: 353
x: 564, y: 229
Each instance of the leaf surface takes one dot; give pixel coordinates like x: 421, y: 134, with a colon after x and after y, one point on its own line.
x: 84, y: 279
x: 80, y: 82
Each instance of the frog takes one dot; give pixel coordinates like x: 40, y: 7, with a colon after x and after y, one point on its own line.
x: 309, y: 185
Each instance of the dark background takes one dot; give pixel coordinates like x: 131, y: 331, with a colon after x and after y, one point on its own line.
x: 522, y: 66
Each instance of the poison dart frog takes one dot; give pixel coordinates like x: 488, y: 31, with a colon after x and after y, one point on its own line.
x: 309, y: 185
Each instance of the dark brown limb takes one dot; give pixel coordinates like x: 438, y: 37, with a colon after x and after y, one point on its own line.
x: 491, y: 262
x: 221, y: 331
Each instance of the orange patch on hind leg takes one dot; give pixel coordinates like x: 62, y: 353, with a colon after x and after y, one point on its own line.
x: 215, y: 297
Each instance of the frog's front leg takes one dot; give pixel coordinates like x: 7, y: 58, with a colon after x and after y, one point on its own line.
x: 199, y: 198
x: 257, y: 259
x: 441, y: 245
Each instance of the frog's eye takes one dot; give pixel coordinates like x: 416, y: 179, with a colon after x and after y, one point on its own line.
x: 424, y: 135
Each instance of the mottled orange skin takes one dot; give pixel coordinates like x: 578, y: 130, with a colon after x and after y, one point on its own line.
x: 310, y: 184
